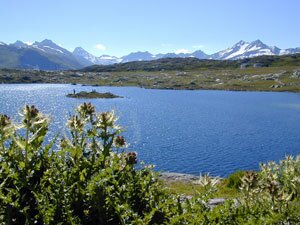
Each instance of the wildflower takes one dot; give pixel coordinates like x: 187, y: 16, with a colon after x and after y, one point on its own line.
x: 5, y: 126
x: 76, y: 124
x: 63, y: 143
x: 250, y: 182
x: 4, y: 121
x: 273, y: 187
x: 131, y: 158
x: 207, y: 181
x: 86, y: 109
x: 106, y: 119
x: 30, y: 112
x: 33, y: 119
x: 119, y: 142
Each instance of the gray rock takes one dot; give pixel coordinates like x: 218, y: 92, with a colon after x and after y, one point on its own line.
x: 211, y: 203
x: 178, y: 177
x: 270, y: 78
x: 275, y: 86
x: 296, y: 74
x: 216, y: 201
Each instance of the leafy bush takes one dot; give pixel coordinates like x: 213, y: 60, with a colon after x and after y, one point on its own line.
x: 89, y: 179
x: 235, y: 179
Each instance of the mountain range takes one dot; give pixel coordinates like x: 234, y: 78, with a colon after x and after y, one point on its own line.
x: 46, y: 55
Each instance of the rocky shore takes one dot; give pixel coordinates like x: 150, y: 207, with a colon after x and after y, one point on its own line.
x: 181, y: 177
x: 188, y: 178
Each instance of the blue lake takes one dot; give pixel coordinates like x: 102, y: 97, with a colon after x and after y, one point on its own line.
x: 181, y: 131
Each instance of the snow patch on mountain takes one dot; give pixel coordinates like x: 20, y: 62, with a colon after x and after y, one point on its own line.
x: 244, y: 49
x: 80, y: 53
x: 241, y: 50
x: 37, y: 47
x: 54, y: 49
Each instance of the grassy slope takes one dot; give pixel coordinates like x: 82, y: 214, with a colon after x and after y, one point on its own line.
x: 191, y: 189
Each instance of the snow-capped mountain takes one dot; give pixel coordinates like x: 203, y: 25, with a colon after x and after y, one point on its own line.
x: 44, y: 55
x: 289, y: 51
x: 138, y: 56
x: 19, y: 44
x: 197, y: 54
x: 50, y: 56
x: 244, y: 49
x: 80, y: 53
x: 50, y: 47
x: 107, y: 59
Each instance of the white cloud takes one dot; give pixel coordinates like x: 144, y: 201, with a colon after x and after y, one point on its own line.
x: 198, y: 46
x: 100, y: 47
x: 182, y: 50
x: 28, y: 42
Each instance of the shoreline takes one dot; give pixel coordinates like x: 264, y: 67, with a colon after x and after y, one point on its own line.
x: 159, y: 88
x: 181, y: 177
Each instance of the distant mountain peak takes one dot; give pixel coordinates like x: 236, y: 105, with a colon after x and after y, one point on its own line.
x: 50, y: 47
x: 241, y: 42
x: 19, y: 44
x: 258, y: 41
x: 48, y: 55
x: 82, y: 54
x: 140, y: 52
x: 138, y: 56
x: 47, y: 42
x: 79, y: 50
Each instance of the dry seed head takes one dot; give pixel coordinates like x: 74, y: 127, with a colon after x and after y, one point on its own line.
x: 4, y: 121
x: 106, y: 118
x: 6, y: 126
x: 33, y: 118
x: 273, y: 187
x: 75, y: 123
x: 30, y: 112
x: 120, y: 142
x: 206, y: 180
x: 63, y: 143
x: 86, y: 109
x: 131, y: 158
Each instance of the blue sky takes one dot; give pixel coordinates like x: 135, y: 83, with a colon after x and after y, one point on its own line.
x: 118, y: 27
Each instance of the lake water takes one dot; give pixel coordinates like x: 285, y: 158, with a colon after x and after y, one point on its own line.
x: 181, y: 131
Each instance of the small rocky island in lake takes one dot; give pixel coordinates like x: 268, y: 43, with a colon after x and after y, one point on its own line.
x: 92, y: 94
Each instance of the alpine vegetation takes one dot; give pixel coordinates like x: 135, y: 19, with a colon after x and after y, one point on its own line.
x: 89, y: 178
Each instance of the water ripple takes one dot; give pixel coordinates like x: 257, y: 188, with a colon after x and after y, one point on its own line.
x: 181, y: 131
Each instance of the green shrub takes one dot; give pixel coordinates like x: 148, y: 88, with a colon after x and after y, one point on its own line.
x: 88, y: 178
x: 234, y: 180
